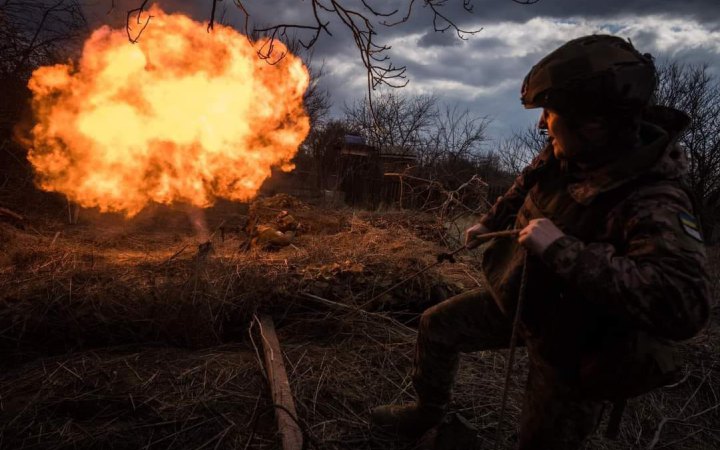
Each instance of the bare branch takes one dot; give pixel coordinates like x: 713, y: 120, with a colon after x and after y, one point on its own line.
x: 517, y: 151
x: 139, y: 10
x: 358, y: 19
x: 246, y: 26
x: 211, y: 23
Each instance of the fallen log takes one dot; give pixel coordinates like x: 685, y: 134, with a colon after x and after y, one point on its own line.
x: 285, y: 412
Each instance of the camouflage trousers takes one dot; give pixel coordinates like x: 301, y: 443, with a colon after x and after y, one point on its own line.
x: 553, y: 416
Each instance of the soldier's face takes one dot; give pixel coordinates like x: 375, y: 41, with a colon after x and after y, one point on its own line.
x: 572, y: 139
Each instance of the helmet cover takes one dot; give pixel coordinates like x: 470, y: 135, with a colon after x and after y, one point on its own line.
x: 592, y: 74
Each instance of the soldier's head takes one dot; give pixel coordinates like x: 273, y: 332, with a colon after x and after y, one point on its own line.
x: 592, y: 90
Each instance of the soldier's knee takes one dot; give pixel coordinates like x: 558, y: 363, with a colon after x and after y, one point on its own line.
x: 426, y: 321
x: 429, y: 322
x: 433, y: 323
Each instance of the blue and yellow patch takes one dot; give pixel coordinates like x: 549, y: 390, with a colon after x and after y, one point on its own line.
x: 690, y: 226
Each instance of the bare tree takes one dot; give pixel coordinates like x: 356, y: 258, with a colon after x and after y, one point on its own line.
x: 454, y: 144
x: 396, y: 123
x: 440, y: 137
x: 316, y: 98
x: 322, y: 150
x: 517, y: 151
x: 694, y: 90
x: 33, y: 33
x: 37, y: 32
x: 451, y: 164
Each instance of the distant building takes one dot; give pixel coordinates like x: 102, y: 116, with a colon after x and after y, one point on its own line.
x: 359, y: 172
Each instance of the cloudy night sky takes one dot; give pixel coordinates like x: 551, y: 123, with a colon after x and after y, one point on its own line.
x: 482, y: 73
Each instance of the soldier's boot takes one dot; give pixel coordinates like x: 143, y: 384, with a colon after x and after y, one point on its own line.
x: 410, y: 420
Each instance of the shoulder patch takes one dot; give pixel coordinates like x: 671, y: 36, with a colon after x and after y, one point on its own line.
x: 690, y: 226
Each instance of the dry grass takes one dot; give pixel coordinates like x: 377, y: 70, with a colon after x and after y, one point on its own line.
x: 93, y: 286
x: 133, y: 398
x: 116, y: 335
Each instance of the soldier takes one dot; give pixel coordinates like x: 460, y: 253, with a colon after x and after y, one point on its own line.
x: 615, y: 259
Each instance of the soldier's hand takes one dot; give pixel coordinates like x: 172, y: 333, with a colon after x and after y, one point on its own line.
x: 474, y: 231
x: 538, y: 235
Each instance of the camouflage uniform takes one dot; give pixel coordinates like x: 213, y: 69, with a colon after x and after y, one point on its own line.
x: 603, y: 303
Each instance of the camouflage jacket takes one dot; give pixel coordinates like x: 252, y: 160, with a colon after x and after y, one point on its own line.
x: 629, y: 275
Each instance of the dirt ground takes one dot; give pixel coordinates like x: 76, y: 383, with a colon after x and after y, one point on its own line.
x: 119, y: 333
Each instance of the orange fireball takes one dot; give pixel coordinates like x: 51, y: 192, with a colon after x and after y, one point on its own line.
x: 183, y: 115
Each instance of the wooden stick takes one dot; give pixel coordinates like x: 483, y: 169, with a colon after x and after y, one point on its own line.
x: 511, y: 350
x: 497, y: 234
x: 355, y: 309
x: 285, y: 412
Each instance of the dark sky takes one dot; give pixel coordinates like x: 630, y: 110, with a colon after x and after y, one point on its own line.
x: 484, y: 72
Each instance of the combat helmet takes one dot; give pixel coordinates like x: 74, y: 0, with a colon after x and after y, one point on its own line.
x: 593, y: 74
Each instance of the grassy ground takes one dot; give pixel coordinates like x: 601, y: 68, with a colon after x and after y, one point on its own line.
x: 118, y: 334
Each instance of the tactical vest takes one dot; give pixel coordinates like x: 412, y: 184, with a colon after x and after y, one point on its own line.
x: 600, y: 353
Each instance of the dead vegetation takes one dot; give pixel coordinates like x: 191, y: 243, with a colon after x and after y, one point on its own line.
x: 115, y: 334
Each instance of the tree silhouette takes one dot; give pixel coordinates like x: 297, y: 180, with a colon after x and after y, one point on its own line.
x: 693, y: 89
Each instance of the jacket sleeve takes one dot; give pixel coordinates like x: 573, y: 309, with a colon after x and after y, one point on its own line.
x: 658, y: 280
x: 502, y: 213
